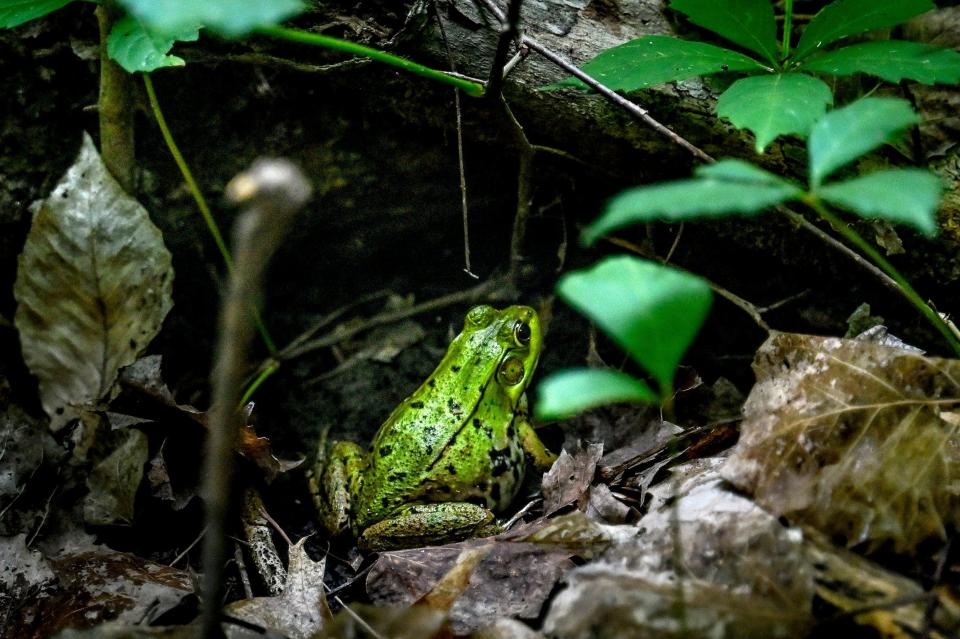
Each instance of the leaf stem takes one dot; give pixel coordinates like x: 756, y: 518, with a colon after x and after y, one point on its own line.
x: 200, y: 201
x: 470, y: 87
x: 905, y: 287
x: 787, y: 26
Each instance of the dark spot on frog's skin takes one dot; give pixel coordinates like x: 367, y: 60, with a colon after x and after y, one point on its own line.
x: 416, y: 404
x: 477, y: 500
x: 511, y: 432
x: 396, y: 476
x: 495, y: 492
x: 451, y: 469
x: 385, y: 451
x: 429, y: 449
x: 499, y: 462
x: 454, y: 407
x: 477, y: 423
x: 431, y: 382
x: 488, y: 432
x: 455, y: 369
x: 443, y: 488
x: 516, y: 472
x: 384, y: 501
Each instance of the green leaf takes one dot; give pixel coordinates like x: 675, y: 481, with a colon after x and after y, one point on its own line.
x: 846, y: 133
x: 569, y: 392
x: 749, y: 23
x: 724, y: 188
x: 652, y: 311
x: 904, y: 196
x: 775, y: 105
x: 657, y: 59
x: 232, y: 18
x: 137, y: 49
x: 891, y: 60
x: 849, y: 17
x: 16, y: 12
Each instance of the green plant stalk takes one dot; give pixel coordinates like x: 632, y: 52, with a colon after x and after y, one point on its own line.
x: 787, y: 26
x: 470, y: 87
x: 200, y: 200
x: 255, y: 384
x: 870, y: 251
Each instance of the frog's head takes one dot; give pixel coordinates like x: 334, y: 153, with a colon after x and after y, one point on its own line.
x: 507, y: 343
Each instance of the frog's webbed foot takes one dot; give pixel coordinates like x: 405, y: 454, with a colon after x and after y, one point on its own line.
x: 335, y: 486
x: 422, y: 524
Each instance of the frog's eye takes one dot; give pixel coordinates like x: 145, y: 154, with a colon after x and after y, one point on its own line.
x: 480, y: 315
x: 511, y: 371
x: 521, y: 333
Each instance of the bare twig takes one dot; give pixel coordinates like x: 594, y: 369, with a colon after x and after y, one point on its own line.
x: 461, y: 165
x: 525, y: 156
x: 273, y: 191
x: 509, y: 33
x: 611, y: 95
x: 183, y: 554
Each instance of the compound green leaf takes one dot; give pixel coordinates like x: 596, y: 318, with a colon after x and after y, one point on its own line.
x: 137, y: 49
x: 232, y: 18
x: 775, y: 105
x: 569, y: 392
x: 652, y: 311
x: 903, y: 196
x: 846, y: 133
x: 849, y: 17
x: 749, y: 23
x: 657, y: 59
x: 15, y: 12
x: 725, y: 188
x: 93, y: 285
x: 891, y: 60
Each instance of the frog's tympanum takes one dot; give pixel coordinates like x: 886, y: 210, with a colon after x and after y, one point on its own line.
x: 452, y: 453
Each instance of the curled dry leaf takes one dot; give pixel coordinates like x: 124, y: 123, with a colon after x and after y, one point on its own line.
x: 300, y: 611
x: 93, y: 286
x: 569, y: 479
x: 483, y: 581
x: 859, y: 440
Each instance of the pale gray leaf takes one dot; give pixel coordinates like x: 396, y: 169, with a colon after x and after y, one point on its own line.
x: 93, y: 286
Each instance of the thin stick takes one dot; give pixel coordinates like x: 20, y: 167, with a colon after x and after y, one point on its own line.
x: 603, y: 90
x: 509, y: 32
x: 273, y: 190
x: 193, y: 543
x: 461, y: 165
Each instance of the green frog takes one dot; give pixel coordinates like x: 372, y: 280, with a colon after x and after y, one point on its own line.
x: 450, y: 455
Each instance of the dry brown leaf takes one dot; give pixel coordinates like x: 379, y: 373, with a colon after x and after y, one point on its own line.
x: 569, y: 479
x: 859, y: 440
x: 300, y: 611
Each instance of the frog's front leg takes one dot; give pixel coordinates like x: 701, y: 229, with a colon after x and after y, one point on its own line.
x: 543, y: 457
x: 336, y: 483
x: 423, y: 524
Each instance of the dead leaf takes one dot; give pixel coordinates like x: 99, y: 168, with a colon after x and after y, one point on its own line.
x: 21, y: 569
x: 414, y: 622
x: 300, y: 612
x: 513, y: 580
x: 610, y: 602
x: 114, y: 480
x: 569, y: 479
x: 891, y: 604
x: 258, y: 450
x: 97, y: 586
x: 856, y: 439
x: 93, y: 286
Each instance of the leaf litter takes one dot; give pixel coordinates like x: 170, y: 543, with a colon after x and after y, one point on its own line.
x: 855, y: 439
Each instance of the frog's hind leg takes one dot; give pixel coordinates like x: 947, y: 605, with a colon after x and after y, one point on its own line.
x: 336, y: 486
x: 421, y: 524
